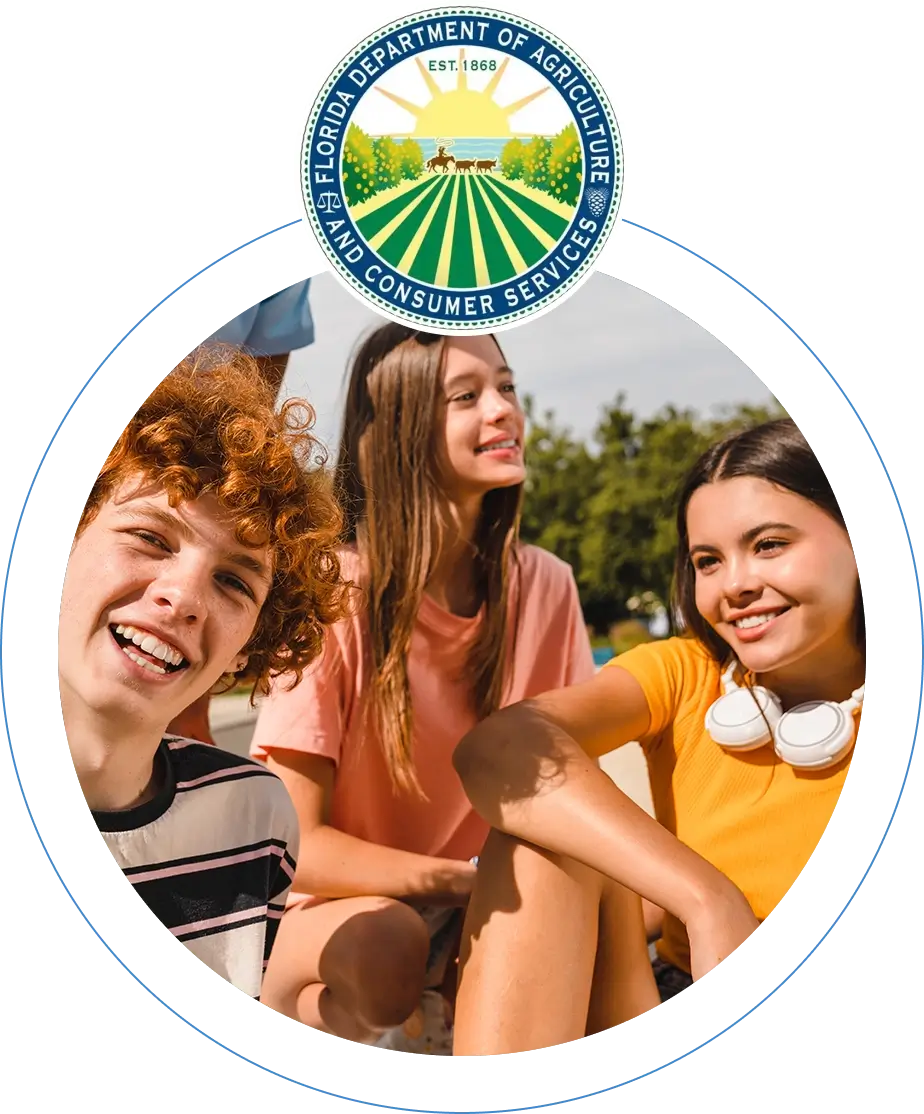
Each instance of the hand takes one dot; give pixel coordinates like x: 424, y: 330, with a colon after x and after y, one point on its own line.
x: 449, y: 882
x: 714, y: 932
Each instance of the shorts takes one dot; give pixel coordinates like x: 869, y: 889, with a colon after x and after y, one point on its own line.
x: 428, y: 1030
x: 671, y: 980
x: 444, y: 924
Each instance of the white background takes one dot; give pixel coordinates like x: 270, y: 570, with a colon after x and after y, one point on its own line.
x: 62, y: 1000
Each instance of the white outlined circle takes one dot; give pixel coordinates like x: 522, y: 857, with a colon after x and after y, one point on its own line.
x: 837, y: 865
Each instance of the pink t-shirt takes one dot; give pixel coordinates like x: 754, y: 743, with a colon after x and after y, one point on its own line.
x: 321, y: 715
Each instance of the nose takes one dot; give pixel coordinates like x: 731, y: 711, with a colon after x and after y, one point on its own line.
x: 742, y: 581
x: 182, y: 590
x: 499, y: 405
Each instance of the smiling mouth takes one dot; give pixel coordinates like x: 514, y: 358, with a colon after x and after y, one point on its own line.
x: 750, y: 622
x: 510, y: 443
x: 147, y: 650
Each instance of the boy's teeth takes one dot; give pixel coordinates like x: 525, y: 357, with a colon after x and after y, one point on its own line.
x: 144, y: 664
x: 150, y: 645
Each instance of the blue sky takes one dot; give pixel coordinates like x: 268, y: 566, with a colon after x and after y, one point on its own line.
x: 606, y: 338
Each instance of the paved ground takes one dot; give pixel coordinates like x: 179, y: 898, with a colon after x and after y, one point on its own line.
x: 233, y: 722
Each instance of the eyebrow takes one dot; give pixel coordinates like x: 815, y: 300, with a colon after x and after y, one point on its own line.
x: 147, y: 511
x: 747, y: 536
x: 465, y: 376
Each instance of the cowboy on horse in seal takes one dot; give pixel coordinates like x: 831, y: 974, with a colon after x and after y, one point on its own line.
x: 440, y: 159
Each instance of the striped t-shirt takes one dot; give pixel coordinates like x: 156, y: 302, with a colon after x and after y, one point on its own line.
x: 212, y: 855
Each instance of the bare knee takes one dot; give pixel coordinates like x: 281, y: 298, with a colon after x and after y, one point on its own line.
x: 525, y: 881
x: 654, y: 920
x: 511, y: 865
x: 379, y: 958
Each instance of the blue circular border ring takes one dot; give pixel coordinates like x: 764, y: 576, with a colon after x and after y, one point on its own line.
x: 197, y: 1031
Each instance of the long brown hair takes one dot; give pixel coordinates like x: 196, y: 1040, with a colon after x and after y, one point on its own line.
x: 778, y: 453
x: 389, y: 484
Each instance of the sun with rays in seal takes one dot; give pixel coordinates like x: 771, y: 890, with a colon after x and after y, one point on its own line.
x: 462, y: 111
x: 451, y: 189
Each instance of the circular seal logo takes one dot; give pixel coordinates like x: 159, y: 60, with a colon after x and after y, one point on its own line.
x: 462, y: 169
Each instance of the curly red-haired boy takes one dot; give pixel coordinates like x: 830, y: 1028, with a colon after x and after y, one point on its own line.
x: 205, y: 554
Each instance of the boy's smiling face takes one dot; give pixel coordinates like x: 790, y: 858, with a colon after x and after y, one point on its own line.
x: 158, y: 603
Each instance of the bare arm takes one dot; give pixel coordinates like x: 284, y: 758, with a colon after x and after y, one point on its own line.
x: 529, y: 771
x: 334, y: 864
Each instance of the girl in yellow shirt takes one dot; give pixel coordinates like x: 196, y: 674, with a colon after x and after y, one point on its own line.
x: 767, y: 588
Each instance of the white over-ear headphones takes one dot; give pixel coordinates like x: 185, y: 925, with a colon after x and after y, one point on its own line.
x: 809, y: 736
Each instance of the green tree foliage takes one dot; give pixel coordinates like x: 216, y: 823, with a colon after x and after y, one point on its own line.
x: 511, y: 159
x: 558, y: 468
x: 536, y: 162
x: 370, y: 165
x: 359, y: 180
x: 607, y: 508
x: 412, y: 160
x: 564, y: 173
x: 387, y: 162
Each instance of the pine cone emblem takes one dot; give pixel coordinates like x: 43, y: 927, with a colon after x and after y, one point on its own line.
x: 596, y: 201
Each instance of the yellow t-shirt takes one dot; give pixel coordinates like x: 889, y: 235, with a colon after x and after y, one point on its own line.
x: 751, y: 815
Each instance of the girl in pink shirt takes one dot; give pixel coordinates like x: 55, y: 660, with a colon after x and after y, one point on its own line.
x: 454, y: 619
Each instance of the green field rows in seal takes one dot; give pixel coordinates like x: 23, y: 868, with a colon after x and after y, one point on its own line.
x: 462, y: 261
x: 548, y: 221
x: 392, y: 251
x: 526, y: 243
x: 429, y: 204
x: 376, y: 220
x: 427, y: 258
x: 500, y: 265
